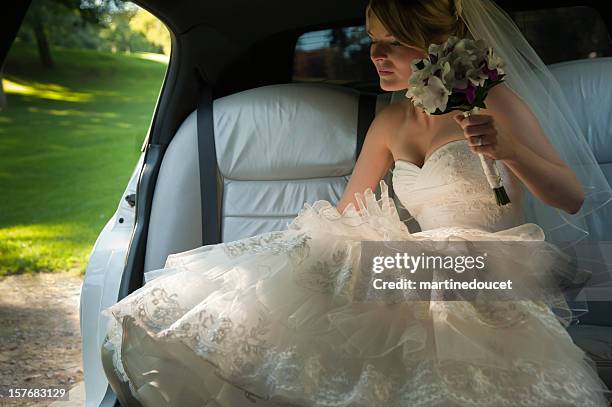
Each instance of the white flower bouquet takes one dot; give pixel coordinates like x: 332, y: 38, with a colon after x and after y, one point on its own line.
x: 457, y: 75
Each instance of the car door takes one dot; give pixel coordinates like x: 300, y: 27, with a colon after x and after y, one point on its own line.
x: 101, y: 286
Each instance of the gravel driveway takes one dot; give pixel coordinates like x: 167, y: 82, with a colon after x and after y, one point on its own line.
x: 40, y: 340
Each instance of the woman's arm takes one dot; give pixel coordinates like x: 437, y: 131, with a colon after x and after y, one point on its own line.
x: 555, y: 184
x: 524, y: 148
x: 375, y: 158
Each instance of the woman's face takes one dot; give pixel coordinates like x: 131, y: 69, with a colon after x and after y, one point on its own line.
x: 391, y: 58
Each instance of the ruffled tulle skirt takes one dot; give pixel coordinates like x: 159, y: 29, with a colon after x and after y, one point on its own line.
x: 288, y: 318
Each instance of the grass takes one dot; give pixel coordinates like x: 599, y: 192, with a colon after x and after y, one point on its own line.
x: 69, y: 140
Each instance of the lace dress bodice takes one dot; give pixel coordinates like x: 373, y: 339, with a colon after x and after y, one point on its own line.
x: 451, y: 189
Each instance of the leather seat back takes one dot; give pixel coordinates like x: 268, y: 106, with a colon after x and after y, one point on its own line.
x: 587, y: 85
x: 278, y: 147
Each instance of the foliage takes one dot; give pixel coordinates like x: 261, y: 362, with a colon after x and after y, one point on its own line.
x: 119, y: 35
x: 153, y: 29
x: 115, y: 26
x: 69, y: 139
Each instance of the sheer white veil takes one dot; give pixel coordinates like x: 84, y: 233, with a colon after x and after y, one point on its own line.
x: 529, y: 78
x: 533, y: 82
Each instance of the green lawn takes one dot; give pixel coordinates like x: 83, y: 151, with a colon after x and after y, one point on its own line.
x: 69, y: 141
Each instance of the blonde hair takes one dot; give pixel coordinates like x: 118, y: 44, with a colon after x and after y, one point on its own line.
x: 419, y: 22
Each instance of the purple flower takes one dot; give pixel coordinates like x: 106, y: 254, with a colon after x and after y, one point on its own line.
x: 491, y: 73
x: 470, y: 92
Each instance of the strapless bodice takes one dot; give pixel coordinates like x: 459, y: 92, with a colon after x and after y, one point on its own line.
x: 451, y: 189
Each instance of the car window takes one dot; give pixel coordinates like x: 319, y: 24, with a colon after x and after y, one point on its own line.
x: 77, y: 96
x: 342, y: 55
x: 565, y: 34
x: 339, y: 55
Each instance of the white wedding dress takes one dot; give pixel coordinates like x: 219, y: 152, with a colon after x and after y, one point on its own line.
x: 280, y: 318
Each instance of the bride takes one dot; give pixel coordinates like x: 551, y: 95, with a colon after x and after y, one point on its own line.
x: 280, y: 318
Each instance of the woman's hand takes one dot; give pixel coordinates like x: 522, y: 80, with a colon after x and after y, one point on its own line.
x: 484, y: 137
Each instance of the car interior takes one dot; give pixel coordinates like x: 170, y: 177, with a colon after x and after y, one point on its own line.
x: 240, y: 140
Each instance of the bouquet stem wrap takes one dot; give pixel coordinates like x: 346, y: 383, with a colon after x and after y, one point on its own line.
x: 491, y: 171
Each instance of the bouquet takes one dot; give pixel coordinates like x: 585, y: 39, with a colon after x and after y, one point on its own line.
x: 457, y: 75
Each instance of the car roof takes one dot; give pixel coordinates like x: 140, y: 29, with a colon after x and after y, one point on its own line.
x: 277, y: 15
x: 252, y: 19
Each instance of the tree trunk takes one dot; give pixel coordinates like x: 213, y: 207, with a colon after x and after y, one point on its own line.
x: 44, y: 52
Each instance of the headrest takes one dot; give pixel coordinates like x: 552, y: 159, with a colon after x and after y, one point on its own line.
x: 587, y: 84
x: 285, y: 131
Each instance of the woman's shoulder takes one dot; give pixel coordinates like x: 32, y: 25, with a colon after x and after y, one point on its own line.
x: 386, y: 122
x: 403, y: 125
x: 392, y: 118
x: 394, y: 112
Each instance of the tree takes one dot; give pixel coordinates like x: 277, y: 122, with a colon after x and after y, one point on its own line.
x: 36, y: 20
x: 154, y: 30
x: 46, y: 15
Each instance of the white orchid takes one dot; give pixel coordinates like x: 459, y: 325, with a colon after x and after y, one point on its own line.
x: 428, y: 69
x: 430, y: 97
x: 450, y: 43
x: 416, y: 94
x: 461, y: 64
x: 494, y: 61
x: 461, y: 45
x: 447, y: 73
x: 476, y: 76
x: 436, y: 49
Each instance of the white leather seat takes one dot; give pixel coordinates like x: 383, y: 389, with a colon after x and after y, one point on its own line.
x: 587, y: 84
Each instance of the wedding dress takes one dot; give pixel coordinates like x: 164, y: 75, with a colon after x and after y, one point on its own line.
x: 287, y: 317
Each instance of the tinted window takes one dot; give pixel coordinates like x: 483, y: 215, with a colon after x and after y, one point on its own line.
x: 565, y: 34
x: 342, y: 55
